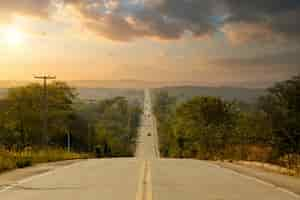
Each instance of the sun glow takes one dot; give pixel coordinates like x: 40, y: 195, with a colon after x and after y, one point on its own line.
x: 12, y: 35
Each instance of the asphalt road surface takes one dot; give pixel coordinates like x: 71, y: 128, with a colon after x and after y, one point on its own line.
x: 146, y: 177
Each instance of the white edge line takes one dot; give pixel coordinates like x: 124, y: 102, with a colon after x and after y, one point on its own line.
x: 26, y: 180
x: 284, y: 190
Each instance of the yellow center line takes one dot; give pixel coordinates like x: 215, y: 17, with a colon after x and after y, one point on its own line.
x: 144, y: 190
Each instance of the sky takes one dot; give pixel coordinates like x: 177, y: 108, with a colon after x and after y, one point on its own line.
x: 212, y: 42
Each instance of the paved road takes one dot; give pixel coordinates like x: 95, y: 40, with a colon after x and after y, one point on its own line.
x: 88, y: 180
x: 147, y: 148
x: 146, y: 177
x: 197, y: 180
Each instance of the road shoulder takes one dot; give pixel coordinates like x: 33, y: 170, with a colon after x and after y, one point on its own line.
x: 289, y: 183
x: 13, y: 176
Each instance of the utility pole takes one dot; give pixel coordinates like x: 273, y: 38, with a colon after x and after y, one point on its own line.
x: 90, y: 127
x: 45, y: 106
x: 69, y: 141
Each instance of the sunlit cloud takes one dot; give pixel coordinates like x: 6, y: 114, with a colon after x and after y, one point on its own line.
x: 241, y: 33
x: 35, y: 8
x: 128, y: 20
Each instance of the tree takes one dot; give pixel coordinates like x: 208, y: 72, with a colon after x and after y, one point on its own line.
x: 23, y: 113
x: 282, y: 107
x: 164, y: 109
x: 115, y: 123
x: 203, y: 126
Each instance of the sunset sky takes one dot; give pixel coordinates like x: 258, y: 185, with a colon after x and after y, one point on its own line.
x: 223, y: 42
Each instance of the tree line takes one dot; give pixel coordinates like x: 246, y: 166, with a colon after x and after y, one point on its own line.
x: 212, y: 128
x: 107, y: 127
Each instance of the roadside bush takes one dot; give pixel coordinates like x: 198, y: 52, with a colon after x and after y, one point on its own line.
x: 98, y: 151
x: 24, y: 162
x: 6, y: 163
x: 14, y: 159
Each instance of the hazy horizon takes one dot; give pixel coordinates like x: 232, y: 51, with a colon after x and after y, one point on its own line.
x: 135, y: 83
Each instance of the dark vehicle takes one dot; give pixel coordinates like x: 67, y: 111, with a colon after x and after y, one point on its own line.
x: 149, y: 134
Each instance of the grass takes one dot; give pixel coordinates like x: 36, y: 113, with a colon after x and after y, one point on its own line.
x: 14, y: 159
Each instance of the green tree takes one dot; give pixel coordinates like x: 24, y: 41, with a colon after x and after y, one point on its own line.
x: 116, y: 123
x: 282, y: 107
x: 164, y: 109
x: 23, y: 113
x: 203, y: 126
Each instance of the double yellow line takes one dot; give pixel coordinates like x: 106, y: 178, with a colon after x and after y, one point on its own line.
x: 144, y: 190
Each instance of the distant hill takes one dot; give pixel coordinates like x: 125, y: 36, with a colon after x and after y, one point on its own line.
x: 137, y: 84
x: 3, y: 91
x: 227, y: 93
x: 94, y: 83
x: 100, y: 89
x: 9, y: 84
x: 86, y: 94
x: 106, y: 93
x: 182, y: 92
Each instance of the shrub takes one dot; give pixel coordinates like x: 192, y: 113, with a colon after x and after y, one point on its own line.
x: 13, y: 159
x: 98, y: 151
x: 24, y: 162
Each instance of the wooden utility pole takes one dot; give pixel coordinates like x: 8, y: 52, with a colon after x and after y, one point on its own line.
x: 90, y: 127
x: 45, y: 106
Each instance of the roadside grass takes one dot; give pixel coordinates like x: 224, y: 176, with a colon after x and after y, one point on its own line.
x: 259, y: 156
x: 14, y: 159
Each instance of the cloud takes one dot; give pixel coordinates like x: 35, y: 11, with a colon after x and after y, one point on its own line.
x: 37, y: 8
x: 130, y: 19
x: 256, y: 71
x: 288, y: 58
x: 281, y: 64
x: 126, y: 20
x: 264, y: 20
x: 240, y: 20
x: 240, y: 32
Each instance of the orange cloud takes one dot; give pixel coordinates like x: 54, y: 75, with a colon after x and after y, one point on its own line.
x: 239, y: 33
x: 121, y: 21
x: 36, y: 8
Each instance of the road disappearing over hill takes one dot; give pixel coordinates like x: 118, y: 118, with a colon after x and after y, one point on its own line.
x: 146, y: 177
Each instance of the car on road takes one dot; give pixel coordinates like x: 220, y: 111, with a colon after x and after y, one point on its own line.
x: 149, y: 134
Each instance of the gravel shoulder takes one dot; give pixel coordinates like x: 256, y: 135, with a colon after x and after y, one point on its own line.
x: 290, y: 183
x: 13, y: 176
